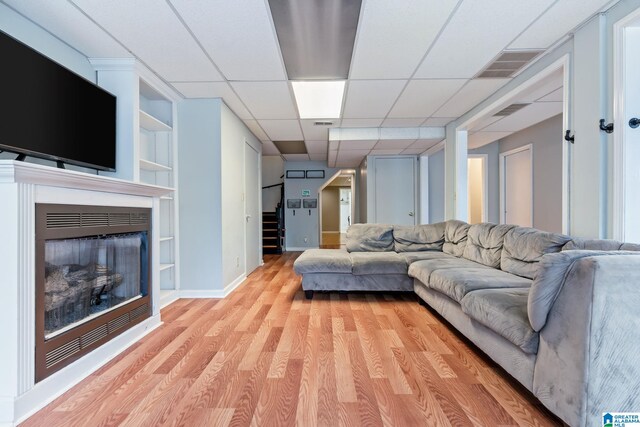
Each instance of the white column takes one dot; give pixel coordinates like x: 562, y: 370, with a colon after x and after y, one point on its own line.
x: 589, y: 157
x: 455, y: 175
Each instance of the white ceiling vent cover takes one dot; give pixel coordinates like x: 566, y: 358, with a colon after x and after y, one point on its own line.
x: 508, y: 63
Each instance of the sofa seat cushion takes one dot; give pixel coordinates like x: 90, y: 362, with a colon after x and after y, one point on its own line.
x: 457, y: 282
x: 422, y: 270
x: 323, y: 261
x: 411, y: 257
x: 524, y: 247
x: 425, y: 237
x: 365, y: 263
x: 370, y: 238
x: 504, y: 311
x: 484, y: 243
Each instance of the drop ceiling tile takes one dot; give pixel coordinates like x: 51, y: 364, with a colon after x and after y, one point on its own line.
x: 314, y: 132
x: 316, y: 147
x: 349, y: 163
x: 318, y: 157
x: 296, y: 157
x: 544, y: 87
x: 424, y: 144
x: 467, y: 43
x: 474, y: 92
x: 269, y: 149
x: 559, y: 20
x: 237, y: 35
x: 282, y: 130
x: 72, y: 26
x: 255, y: 128
x: 152, y: 31
x: 438, y: 121
x: 394, y: 36
x: 351, y: 145
x: 484, y: 122
x: 555, y: 96
x: 394, y: 144
x: 371, y: 98
x: 331, y: 158
x: 422, y: 98
x: 267, y: 100
x: 479, y: 139
x: 386, y: 152
x: 402, y: 122
x: 361, y: 123
x: 413, y: 151
x: 528, y: 116
x: 214, y: 90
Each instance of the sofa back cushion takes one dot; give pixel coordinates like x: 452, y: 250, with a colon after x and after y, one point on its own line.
x: 426, y: 237
x: 524, y: 247
x: 455, y: 237
x: 599, y: 245
x: 484, y: 243
x: 370, y: 238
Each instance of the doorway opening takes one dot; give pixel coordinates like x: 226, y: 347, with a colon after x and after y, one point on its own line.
x: 477, y: 185
x: 336, y: 208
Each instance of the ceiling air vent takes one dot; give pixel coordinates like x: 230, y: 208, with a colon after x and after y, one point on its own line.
x: 510, y: 109
x: 508, y: 63
x: 322, y: 123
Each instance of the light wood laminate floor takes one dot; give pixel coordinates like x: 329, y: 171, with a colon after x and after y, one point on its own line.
x: 266, y: 356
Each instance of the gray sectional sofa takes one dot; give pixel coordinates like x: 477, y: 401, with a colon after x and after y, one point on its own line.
x: 558, y: 314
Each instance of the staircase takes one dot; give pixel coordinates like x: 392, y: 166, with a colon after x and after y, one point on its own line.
x: 272, y: 232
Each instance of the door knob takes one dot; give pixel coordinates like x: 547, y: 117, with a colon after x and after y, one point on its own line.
x: 634, y: 123
x: 410, y: 213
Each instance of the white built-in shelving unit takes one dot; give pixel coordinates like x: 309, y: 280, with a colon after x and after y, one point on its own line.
x: 157, y: 166
x: 147, y: 150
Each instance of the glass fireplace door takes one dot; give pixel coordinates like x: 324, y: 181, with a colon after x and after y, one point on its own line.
x: 85, y: 277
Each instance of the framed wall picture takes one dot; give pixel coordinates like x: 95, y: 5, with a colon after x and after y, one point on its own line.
x: 310, y: 203
x: 293, y: 203
x: 295, y: 174
x: 314, y: 174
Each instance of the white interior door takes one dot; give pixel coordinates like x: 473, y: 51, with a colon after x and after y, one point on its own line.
x: 395, y: 190
x: 517, y: 185
x: 252, y: 208
x: 631, y: 135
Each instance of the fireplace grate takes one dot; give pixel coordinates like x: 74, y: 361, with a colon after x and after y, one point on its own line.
x: 55, y: 220
x: 63, y: 352
x: 74, y: 346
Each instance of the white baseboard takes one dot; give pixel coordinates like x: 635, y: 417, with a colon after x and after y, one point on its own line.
x: 213, y: 293
x: 50, y: 388
x: 300, y: 249
x: 168, y: 298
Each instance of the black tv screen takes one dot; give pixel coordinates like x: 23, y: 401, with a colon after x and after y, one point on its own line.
x: 50, y: 112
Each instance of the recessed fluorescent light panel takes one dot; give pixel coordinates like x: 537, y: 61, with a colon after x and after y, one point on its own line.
x: 319, y: 100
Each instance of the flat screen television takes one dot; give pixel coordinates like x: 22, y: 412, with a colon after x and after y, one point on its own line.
x: 50, y: 112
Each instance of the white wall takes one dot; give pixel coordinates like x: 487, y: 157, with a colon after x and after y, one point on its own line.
x: 303, y: 226
x: 200, y: 188
x: 233, y: 137
x: 272, y: 170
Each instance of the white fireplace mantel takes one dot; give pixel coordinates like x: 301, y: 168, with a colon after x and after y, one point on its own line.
x: 22, y: 185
